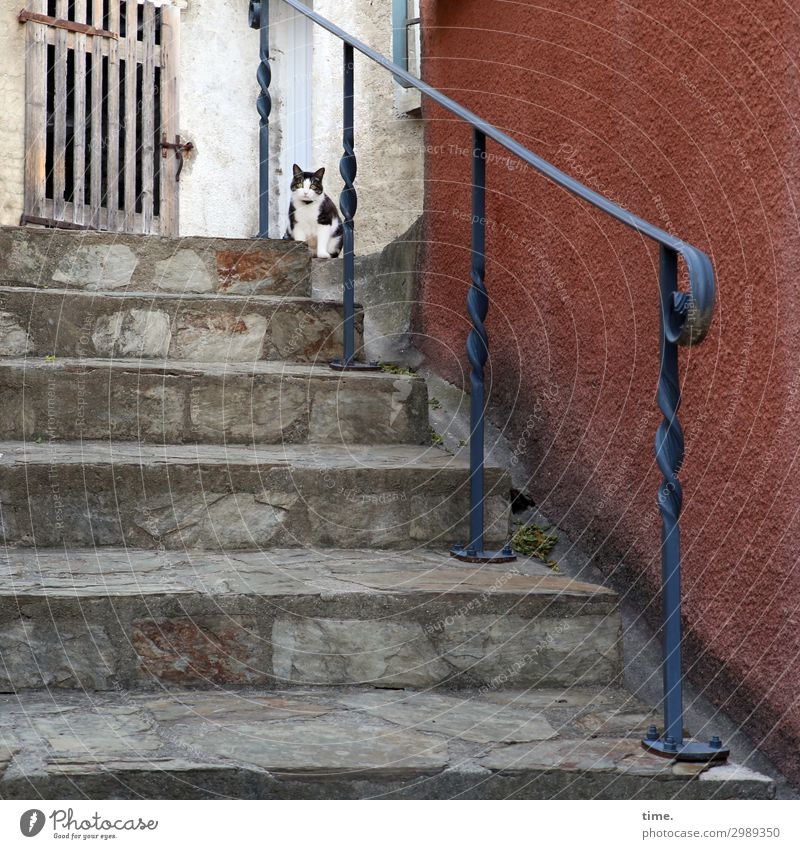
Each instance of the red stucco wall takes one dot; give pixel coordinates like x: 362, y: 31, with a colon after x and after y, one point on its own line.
x: 686, y: 113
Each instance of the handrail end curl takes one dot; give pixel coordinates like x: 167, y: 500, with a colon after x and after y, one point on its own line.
x: 693, y: 311
x: 254, y: 14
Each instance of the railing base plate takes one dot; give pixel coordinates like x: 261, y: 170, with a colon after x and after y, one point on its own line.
x: 352, y: 365
x: 470, y: 555
x: 690, y: 751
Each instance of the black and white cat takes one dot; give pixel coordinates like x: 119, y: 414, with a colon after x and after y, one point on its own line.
x: 313, y: 217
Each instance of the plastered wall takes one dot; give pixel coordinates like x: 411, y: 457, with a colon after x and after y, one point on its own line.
x: 12, y: 111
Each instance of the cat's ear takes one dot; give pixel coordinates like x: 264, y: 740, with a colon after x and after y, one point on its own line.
x: 297, y: 170
x: 318, y: 175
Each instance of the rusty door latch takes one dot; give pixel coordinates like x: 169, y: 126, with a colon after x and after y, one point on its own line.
x: 179, y: 147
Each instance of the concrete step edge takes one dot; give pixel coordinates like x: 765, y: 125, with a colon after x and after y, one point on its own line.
x: 169, y: 366
x: 408, y: 458
x: 190, y: 298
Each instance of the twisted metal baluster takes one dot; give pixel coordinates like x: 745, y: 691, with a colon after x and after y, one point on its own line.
x: 478, y: 353
x: 348, y: 203
x: 676, y: 311
x: 258, y: 15
x: 669, y: 456
x: 477, y: 341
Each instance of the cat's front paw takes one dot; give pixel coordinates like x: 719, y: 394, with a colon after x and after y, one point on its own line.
x: 323, y: 255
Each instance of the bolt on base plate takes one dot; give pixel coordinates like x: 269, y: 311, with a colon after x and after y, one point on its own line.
x: 690, y: 751
x: 352, y: 365
x: 471, y: 555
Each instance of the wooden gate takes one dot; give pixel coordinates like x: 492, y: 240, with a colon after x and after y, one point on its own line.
x: 102, y: 96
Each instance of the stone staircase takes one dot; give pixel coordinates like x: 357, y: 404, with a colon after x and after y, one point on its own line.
x: 224, y: 571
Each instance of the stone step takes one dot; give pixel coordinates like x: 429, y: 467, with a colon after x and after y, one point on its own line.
x: 340, y: 744
x: 59, y: 259
x: 176, y: 402
x: 161, y: 325
x: 103, y: 619
x: 207, y: 496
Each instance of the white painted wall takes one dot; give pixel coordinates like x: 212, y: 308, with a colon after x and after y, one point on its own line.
x: 12, y: 109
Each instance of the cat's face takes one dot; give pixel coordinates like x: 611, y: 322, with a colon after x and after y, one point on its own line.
x: 306, y: 185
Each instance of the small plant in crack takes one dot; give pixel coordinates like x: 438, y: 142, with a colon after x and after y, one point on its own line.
x: 435, y: 404
x: 436, y: 437
x: 535, y: 541
x: 391, y: 368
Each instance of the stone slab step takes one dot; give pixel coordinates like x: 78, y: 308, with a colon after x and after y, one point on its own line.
x: 339, y: 744
x: 177, y: 401
x: 102, y: 619
x: 59, y: 259
x: 204, y: 328
x: 218, y: 497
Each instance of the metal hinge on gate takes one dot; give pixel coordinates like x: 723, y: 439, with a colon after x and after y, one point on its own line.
x: 59, y: 23
x: 179, y: 147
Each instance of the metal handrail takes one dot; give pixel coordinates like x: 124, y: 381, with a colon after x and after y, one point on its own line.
x: 685, y: 320
x: 701, y: 273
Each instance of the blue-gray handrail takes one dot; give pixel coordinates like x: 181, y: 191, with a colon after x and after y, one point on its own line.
x: 685, y: 320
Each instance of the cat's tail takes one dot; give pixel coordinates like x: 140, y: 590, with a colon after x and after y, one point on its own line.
x: 338, y: 237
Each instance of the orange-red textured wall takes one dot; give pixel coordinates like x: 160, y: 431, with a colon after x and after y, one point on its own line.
x: 686, y: 113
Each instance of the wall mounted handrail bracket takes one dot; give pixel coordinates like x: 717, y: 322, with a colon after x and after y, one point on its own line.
x: 685, y: 320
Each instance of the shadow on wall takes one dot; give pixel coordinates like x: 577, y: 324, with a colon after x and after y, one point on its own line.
x: 386, y: 286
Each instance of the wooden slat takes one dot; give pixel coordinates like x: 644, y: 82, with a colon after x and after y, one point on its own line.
x: 60, y: 116
x: 51, y: 39
x: 35, y: 113
x: 112, y: 145
x: 96, y: 145
x: 148, y: 112
x: 79, y: 133
x: 131, y: 146
x: 170, y: 55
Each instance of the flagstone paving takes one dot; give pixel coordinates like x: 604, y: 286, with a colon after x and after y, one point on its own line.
x: 341, y: 743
